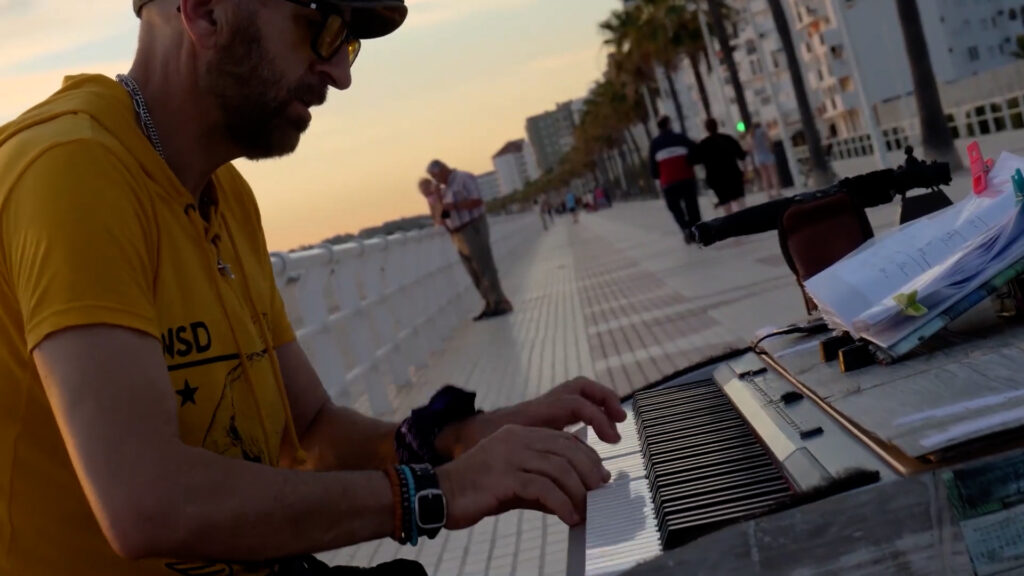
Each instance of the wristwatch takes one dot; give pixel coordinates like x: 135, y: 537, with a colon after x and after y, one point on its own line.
x: 431, y: 509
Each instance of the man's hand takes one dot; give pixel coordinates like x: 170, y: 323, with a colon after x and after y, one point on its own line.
x: 521, y: 467
x: 576, y: 401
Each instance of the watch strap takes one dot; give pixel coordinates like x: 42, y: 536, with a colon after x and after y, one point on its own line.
x: 429, y: 504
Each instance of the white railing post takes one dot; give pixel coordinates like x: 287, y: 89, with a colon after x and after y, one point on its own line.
x: 368, y: 313
x: 410, y: 303
x: 388, y: 309
x: 435, y: 297
x: 369, y: 371
x: 315, y: 334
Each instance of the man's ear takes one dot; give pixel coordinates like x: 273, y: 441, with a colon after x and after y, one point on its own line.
x: 202, y: 20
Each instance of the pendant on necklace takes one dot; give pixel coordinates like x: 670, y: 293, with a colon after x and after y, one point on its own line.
x: 224, y: 269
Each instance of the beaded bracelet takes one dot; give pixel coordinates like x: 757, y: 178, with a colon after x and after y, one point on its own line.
x: 408, y: 508
x: 402, y: 497
x: 398, y: 496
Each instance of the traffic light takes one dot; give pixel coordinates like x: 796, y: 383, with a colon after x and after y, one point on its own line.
x: 741, y: 127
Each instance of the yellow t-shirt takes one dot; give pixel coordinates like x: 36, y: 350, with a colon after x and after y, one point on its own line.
x: 96, y: 229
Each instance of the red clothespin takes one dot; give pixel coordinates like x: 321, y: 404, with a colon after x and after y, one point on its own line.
x: 980, y: 167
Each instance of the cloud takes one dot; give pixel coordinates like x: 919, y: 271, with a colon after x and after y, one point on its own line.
x: 424, y: 13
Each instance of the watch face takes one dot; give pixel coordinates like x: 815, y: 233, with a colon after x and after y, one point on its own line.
x: 430, y: 509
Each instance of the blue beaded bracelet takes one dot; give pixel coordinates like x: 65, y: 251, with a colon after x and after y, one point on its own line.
x: 409, y: 506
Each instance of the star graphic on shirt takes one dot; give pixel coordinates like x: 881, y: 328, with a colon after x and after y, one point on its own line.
x: 188, y: 394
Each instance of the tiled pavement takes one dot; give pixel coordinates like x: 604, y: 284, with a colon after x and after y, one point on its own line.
x: 617, y: 297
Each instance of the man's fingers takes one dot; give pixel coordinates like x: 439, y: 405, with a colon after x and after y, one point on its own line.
x: 539, y: 489
x: 562, y: 473
x: 592, y: 415
x: 604, y: 397
x: 585, y: 460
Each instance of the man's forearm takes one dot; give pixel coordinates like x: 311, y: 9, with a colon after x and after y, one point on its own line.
x: 343, y: 439
x: 202, y: 505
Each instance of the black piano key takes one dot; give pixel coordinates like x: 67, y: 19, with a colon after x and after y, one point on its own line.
x: 678, y: 405
x: 663, y: 466
x: 670, y: 459
x: 689, y: 487
x: 712, y: 432
x: 676, y: 410
x: 704, y: 466
x: 720, y: 464
x: 694, y: 422
x: 681, y: 531
x: 684, y: 444
x: 687, y: 510
x: 683, y: 506
x: 685, y: 478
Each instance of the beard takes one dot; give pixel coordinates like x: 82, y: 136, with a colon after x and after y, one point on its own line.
x: 253, y: 98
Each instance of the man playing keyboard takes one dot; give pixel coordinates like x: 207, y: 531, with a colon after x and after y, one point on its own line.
x: 159, y: 416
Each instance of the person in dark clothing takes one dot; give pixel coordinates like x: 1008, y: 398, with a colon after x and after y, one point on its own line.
x: 672, y: 158
x: 719, y: 153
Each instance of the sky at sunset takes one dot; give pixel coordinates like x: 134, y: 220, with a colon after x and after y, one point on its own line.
x: 456, y: 82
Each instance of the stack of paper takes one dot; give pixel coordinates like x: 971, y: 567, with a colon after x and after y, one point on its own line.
x: 900, y: 281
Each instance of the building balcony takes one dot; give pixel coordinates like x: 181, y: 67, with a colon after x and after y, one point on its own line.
x: 770, y: 41
x: 838, y: 66
x: 838, y: 104
x: 814, y: 82
x: 807, y: 12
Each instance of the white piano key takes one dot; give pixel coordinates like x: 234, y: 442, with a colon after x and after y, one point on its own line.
x: 621, y: 531
x: 627, y: 533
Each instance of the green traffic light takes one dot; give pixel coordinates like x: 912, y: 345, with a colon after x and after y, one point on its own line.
x: 741, y: 127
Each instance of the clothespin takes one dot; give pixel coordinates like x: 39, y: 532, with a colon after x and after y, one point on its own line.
x: 980, y: 167
x: 1018, y: 185
x: 909, y: 305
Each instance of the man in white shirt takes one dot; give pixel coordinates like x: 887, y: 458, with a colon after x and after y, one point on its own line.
x: 466, y: 220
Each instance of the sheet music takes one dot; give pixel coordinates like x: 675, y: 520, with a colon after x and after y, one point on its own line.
x: 941, y: 256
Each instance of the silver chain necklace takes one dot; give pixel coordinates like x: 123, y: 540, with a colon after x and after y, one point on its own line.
x: 150, y: 131
x: 140, y: 107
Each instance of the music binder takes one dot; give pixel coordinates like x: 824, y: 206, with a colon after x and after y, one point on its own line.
x: 902, y: 288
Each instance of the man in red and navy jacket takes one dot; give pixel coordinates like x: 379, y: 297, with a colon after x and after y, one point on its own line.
x: 673, y: 156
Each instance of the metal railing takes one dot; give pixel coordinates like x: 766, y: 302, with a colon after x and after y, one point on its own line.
x: 368, y: 313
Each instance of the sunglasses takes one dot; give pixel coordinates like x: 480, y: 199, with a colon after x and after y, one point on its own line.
x: 331, y: 33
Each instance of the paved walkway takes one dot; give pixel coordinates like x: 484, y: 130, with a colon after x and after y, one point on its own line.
x: 617, y: 297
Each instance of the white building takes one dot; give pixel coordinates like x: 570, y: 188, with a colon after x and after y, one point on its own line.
x: 532, y: 170
x: 761, y: 63
x: 490, y: 187
x: 965, y: 37
x: 511, y: 166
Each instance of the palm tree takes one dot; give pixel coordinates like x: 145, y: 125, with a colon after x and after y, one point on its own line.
x: 693, y: 46
x: 634, y: 76
x: 614, y: 114
x: 648, y: 34
x: 935, y: 134
x: 628, y: 62
x: 665, y: 18
x: 821, y: 171
x: 725, y: 45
